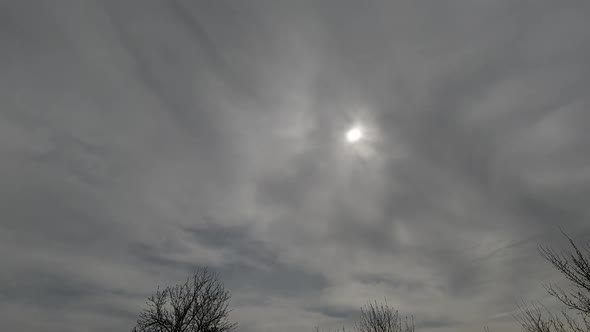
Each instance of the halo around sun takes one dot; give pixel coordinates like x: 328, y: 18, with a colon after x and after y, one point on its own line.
x: 354, y: 134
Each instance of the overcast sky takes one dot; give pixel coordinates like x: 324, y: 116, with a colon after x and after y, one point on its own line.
x: 140, y: 140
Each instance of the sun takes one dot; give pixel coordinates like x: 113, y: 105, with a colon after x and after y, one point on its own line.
x: 354, y: 134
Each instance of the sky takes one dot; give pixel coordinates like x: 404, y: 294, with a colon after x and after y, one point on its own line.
x: 141, y: 140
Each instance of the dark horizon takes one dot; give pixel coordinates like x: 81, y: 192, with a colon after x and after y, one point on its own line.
x: 143, y: 139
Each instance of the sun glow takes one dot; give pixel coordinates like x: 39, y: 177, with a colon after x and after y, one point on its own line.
x: 354, y: 134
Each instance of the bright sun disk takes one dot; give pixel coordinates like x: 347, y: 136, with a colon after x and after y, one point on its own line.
x: 354, y: 135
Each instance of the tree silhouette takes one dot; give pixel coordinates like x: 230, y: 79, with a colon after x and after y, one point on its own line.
x: 201, y: 304
x: 383, y: 318
x: 574, y: 264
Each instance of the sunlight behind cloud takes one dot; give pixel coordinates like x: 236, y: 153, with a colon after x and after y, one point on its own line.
x: 354, y: 134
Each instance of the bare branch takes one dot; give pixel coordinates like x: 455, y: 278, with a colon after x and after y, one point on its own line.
x: 200, y: 304
x: 382, y: 318
x: 574, y: 265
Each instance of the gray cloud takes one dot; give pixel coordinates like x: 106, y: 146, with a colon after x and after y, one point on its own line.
x: 142, y: 140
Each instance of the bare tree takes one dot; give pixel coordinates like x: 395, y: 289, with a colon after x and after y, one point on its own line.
x: 201, y: 304
x: 383, y: 318
x: 537, y: 318
x: 574, y: 264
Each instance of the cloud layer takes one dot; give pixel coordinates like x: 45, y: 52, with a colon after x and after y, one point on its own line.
x: 140, y: 140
